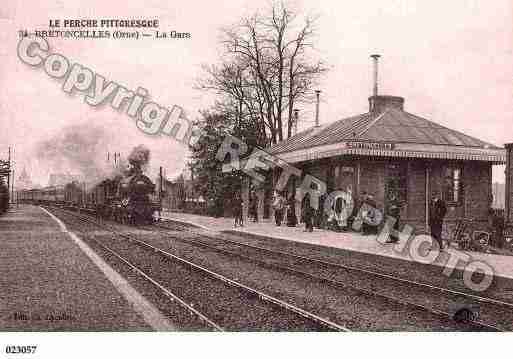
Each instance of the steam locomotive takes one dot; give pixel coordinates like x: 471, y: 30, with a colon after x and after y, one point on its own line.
x: 128, y: 199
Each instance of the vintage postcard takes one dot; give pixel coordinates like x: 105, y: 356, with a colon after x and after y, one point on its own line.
x: 174, y: 169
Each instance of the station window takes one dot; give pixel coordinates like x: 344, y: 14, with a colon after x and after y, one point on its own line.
x: 453, y: 187
x: 337, y: 171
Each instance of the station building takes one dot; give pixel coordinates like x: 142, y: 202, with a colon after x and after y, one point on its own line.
x: 395, y: 156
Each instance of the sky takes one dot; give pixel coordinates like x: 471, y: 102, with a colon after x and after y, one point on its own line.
x: 451, y: 61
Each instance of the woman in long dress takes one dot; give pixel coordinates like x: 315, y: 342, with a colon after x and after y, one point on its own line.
x: 308, y: 213
x: 343, y: 215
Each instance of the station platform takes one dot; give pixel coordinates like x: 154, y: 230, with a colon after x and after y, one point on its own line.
x: 51, y: 280
x: 352, y: 241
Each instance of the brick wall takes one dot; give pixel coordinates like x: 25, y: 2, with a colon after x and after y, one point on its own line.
x: 416, y: 207
x: 478, y: 189
x: 372, y: 180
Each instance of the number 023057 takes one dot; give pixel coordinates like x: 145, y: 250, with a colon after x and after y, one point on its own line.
x: 20, y: 349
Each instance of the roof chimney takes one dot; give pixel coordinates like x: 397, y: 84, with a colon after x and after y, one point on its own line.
x: 317, y: 93
x: 296, y: 119
x: 375, y: 58
x: 379, y: 103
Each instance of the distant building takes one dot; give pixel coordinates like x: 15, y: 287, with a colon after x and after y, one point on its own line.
x: 24, y: 181
x: 173, y: 196
x: 179, y: 194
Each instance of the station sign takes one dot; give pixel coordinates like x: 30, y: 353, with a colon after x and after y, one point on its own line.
x: 371, y: 145
x: 342, y: 147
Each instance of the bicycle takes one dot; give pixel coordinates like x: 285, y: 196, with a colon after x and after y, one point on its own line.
x: 467, y: 238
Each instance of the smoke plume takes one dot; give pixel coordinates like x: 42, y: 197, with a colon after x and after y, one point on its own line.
x: 79, y: 150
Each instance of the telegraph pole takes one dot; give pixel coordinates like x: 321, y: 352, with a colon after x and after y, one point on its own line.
x: 12, y: 182
x: 12, y: 187
x: 9, y: 172
x: 160, y: 191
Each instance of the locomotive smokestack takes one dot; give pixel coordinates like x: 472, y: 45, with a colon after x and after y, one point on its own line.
x: 139, y: 158
x: 375, y: 58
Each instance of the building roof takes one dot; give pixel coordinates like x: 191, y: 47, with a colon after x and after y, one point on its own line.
x: 390, y: 125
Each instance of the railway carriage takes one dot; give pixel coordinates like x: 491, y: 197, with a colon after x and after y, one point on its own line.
x: 53, y: 194
x: 74, y: 194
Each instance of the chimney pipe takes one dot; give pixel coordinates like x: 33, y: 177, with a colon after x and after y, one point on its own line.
x: 296, y: 119
x: 317, y: 93
x: 375, y: 58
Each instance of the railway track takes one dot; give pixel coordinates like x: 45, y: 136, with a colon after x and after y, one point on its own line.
x: 217, y: 301
x: 427, y: 297
x: 264, y: 257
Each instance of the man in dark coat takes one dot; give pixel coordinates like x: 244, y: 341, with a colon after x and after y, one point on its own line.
x: 308, y: 213
x: 254, y: 207
x: 237, y: 206
x: 291, y: 211
x: 437, y: 211
x: 279, y: 206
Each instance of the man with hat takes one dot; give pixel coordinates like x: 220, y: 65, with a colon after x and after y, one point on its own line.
x: 437, y: 211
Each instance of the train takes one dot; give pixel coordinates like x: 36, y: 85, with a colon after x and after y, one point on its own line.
x: 127, y: 199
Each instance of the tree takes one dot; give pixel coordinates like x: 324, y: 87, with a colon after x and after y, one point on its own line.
x: 267, y: 68
x: 210, y: 181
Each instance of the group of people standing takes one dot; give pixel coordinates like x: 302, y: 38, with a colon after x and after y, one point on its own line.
x: 437, y: 212
x: 284, y: 209
x: 343, y: 214
x: 338, y: 218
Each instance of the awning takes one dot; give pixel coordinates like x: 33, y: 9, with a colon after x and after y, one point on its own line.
x: 397, y: 150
